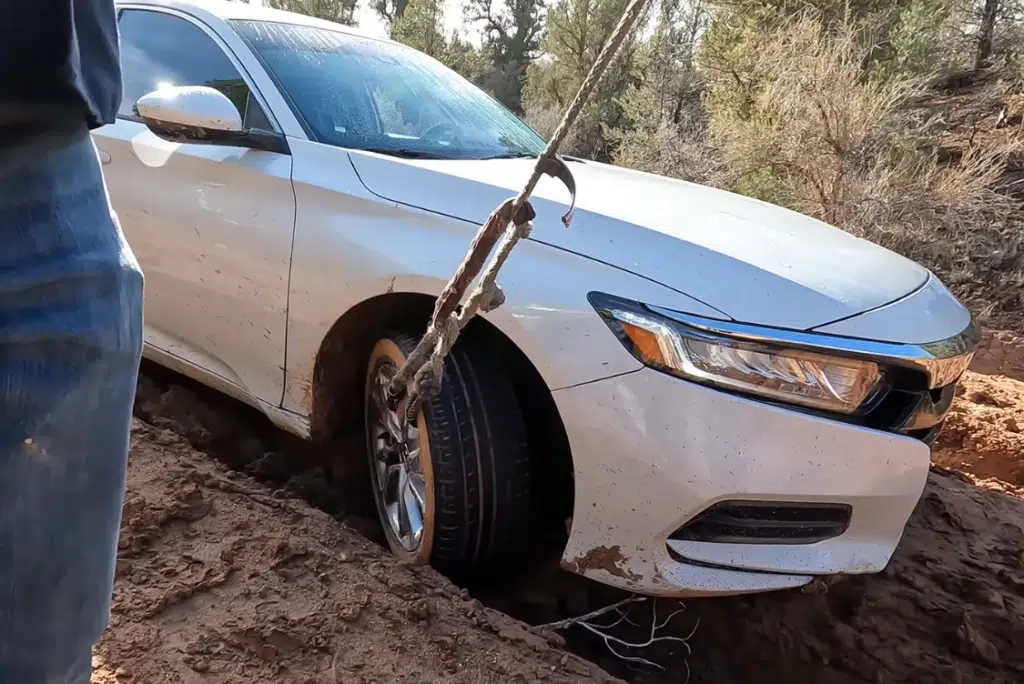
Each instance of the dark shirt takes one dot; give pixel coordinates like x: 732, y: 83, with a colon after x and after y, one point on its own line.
x: 59, y: 63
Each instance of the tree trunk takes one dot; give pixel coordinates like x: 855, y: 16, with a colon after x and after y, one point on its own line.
x: 988, y: 29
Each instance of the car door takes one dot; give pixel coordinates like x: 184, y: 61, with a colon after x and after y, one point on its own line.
x: 211, y: 225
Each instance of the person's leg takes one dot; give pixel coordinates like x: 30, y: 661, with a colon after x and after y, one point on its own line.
x: 70, y: 345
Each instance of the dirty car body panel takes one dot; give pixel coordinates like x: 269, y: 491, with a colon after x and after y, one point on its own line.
x: 688, y: 479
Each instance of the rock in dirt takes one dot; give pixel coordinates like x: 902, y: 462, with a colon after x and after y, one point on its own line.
x: 219, y: 581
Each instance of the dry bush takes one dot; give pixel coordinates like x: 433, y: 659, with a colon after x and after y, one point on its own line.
x: 668, y: 138
x: 583, y: 139
x: 807, y: 128
x: 952, y: 221
x: 675, y: 151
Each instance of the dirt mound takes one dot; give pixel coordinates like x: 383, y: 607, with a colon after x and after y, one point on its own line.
x: 220, y: 579
x: 984, y: 433
x: 1000, y: 352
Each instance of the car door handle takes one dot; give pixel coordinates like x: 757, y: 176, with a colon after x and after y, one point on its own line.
x: 104, y: 157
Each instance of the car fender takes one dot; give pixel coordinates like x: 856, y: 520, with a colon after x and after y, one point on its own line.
x: 554, y: 327
x: 351, y: 246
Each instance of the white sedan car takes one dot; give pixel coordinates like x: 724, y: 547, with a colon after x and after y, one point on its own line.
x: 686, y: 392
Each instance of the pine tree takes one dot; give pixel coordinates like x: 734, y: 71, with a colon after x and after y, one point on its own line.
x: 576, y: 32
x: 389, y: 11
x: 421, y: 26
x: 512, y: 31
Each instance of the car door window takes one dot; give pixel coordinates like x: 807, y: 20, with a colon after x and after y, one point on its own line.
x: 160, y: 49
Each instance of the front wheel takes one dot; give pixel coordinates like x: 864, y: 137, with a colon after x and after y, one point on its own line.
x: 452, y: 489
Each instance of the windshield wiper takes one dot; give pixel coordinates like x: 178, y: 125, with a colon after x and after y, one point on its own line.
x: 404, y: 153
x: 511, y: 155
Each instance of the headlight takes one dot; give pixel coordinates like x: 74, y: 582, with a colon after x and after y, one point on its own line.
x: 790, y: 375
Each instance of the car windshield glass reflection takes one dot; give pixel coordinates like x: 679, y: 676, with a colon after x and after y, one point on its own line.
x: 368, y: 94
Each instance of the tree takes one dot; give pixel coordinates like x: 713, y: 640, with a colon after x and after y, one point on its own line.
x: 988, y: 28
x: 470, y: 62
x: 576, y: 32
x: 421, y: 26
x: 665, y: 127
x: 667, y: 58
x: 340, y: 11
x: 389, y: 10
x: 512, y: 33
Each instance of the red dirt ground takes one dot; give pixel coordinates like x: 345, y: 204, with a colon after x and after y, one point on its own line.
x: 984, y: 433
x: 223, y: 579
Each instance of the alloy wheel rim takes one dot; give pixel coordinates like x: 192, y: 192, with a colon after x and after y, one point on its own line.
x: 401, y: 488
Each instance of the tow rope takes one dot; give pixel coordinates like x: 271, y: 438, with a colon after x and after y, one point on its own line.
x: 512, y: 221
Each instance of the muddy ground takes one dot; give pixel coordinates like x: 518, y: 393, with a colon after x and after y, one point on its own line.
x: 222, y: 580
x: 226, y: 573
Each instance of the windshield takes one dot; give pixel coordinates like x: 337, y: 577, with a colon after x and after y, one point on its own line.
x: 369, y: 94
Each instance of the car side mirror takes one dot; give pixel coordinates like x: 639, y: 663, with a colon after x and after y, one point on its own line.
x: 198, y: 113
x: 201, y: 115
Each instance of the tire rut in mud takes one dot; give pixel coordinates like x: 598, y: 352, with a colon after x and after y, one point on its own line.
x: 950, y: 608
x: 228, y: 578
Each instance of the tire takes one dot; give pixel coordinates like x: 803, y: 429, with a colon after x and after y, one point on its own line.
x: 474, y: 460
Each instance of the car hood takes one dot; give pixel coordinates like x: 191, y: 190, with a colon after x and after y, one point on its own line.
x: 753, y: 261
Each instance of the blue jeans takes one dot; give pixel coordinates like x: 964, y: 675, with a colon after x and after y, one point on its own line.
x: 70, y: 345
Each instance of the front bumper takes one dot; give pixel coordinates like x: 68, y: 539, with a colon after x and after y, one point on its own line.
x: 651, y: 452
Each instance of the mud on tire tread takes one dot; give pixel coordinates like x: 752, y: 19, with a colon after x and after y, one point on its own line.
x: 480, y: 459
